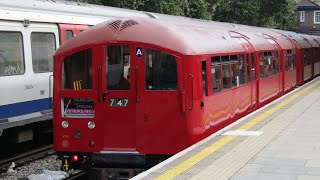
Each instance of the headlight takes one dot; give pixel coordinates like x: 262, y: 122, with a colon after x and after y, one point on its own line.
x: 91, y: 125
x: 65, y: 124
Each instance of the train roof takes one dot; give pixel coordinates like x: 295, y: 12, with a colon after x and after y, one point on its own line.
x: 59, y: 11
x: 185, y: 37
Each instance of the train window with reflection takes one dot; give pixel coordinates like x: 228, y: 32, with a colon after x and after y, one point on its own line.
x: 234, y: 71
x: 68, y: 34
x: 290, y: 60
x: 248, y: 67
x: 77, y: 71
x: 242, y: 71
x: 204, y: 77
x: 316, y: 54
x: 253, y: 68
x: 161, y: 71
x: 11, y: 54
x: 268, y: 64
x: 226, y: 75
x: 43, y: 47
x: 216, y: 74
x: 307, y: 56
x: 118, y: 67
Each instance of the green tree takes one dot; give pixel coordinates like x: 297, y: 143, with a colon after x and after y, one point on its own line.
x: 279, y: 14
x: 237, y: 11
x: 199, y: 9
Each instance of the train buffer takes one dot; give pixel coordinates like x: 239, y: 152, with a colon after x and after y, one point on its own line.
x: 279, y: 141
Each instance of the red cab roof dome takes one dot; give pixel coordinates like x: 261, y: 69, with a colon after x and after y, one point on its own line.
x: 188, y: 38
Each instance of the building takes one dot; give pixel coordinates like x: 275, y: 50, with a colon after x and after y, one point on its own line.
x: 309, y: 16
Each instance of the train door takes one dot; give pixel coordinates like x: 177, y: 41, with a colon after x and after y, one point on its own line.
x: 158, y: 101
x: 280, y: 70
x: 117, y: 91
x: 68, y: 31
x: 251, y: 74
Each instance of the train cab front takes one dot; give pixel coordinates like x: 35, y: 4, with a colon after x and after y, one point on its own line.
x: 108, y: 106
x: 94, y: 114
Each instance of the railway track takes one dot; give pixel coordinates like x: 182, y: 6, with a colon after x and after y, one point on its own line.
x: 105, y: 174
x: 26, y: 157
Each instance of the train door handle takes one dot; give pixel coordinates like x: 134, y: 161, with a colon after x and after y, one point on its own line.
x: 136, y: 83
x: 201, y: 104
x: 191, y: 77
x: 104, y: 95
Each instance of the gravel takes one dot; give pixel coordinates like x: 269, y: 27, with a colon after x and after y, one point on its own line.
x: 35, y: 167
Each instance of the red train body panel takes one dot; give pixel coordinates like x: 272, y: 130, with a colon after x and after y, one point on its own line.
x: 128, y: 89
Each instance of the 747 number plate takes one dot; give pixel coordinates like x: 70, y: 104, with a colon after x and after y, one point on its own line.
x: 118, y: 102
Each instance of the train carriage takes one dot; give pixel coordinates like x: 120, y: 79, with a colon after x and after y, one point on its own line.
x: 130, y: 90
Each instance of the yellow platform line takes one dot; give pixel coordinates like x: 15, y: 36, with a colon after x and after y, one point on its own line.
x: 185, y: 165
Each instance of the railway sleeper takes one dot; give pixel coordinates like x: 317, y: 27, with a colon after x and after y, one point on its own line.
x: 113, y: 173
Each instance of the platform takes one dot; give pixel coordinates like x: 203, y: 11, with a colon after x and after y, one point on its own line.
x: 279, y: 141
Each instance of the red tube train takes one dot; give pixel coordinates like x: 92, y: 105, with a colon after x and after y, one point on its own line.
x: 128, y: 90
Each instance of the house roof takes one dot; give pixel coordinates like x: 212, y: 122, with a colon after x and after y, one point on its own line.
x: 306, y: 3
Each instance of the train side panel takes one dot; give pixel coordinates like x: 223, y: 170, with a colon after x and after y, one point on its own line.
x: 26, y: 66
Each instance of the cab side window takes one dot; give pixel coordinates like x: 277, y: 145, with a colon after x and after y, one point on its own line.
x: 160, y: 70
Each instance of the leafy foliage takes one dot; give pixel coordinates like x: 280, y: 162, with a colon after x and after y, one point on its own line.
x: 267, y: 13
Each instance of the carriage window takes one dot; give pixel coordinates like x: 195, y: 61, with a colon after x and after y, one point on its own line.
x: 118, y: 67
x: 69, y: 34
x: 11, y: 54
x: 216, y: 74
x: 248, y: 67
x: 290, y: 60
x: 204, y: 77
x: 77, y: 71
x: 226, y: 76
x: 307, y: 55
x: 268, y: 64
x: 316, y: 54
x: 234, y: 71
x: 242, y: 70
x: 161, y: 71
x: 43, y: 47
x: 253, y: 68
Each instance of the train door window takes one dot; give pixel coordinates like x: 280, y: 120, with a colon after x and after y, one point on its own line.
x: 11, y: 54
x: 234, y: 70
x: 307, y: 55
x: 248, y: 67
x: 43, y: 47
x: 267, y: 64
x: 226, y: 75
x: 161, y: 71
x: 253, y: 68
x: 204, y: 77
x: 290, y: 60
x: 216, y: 74
x: 316, y: 54
x: 118, y: 67
x: 68, y: 34
x: 77, y: 71
x: 274, y: 58
x: 242, y: 71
